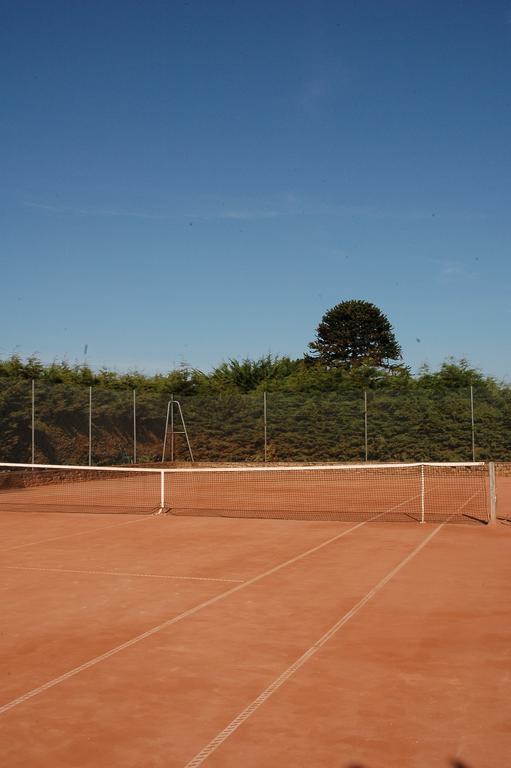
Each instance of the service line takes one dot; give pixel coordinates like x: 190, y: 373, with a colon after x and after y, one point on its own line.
x: 169, y: 622
x: 119, y: 573
x: 221, y: 737
x: 184, y: 615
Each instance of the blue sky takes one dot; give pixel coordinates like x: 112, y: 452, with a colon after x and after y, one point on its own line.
x: 185, y: 182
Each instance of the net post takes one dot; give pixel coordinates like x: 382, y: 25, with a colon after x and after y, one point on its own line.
x: 162, y: 490
x: 493, y: 493
x: 422, y: 494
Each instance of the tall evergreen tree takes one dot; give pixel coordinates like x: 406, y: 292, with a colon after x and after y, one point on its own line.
x: 355, y: 333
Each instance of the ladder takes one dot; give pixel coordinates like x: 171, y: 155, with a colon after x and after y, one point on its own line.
x: 170, y: 429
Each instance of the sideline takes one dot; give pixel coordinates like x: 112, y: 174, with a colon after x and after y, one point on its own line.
x: 169, y: 622
x: 221, y: 737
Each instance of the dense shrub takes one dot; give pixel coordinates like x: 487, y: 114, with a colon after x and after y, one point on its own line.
x: 314, y: 414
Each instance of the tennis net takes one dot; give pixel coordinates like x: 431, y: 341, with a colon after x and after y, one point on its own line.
x: 427, y: 492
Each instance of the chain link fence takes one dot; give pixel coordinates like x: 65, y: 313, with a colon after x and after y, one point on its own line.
x: 62, y: 424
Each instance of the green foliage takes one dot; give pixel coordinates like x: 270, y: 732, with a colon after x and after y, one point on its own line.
x: 355, y: 333
x: 453, y: 374
x: 249, y: 375
x: 314, y: 413
x: 181, y: 380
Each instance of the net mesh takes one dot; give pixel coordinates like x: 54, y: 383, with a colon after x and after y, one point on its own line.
x: 384, y: 493
x: 392, y: 492
x: 78, y: 489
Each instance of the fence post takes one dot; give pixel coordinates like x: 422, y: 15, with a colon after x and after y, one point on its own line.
x: 423, y: 494
x: 172, y: 442
x: 365, y: 424
x: 265, y: 420
x: 472, y: 422
x: 33, y: 421
x: 90, y: 426
x: 134, y: 426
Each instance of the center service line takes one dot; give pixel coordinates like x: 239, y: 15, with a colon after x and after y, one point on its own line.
x: 221, y: 737
x: 174, y: 620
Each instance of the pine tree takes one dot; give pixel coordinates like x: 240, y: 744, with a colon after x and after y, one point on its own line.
x: 355, y: 333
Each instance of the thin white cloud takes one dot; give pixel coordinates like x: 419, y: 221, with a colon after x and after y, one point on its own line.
x: 107, y: 212
x: 450, y: 270
x: 241, y: 214
x: 286, y: 206
x: 247, y: 214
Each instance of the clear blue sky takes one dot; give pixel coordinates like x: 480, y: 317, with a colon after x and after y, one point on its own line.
x: 194, y: 181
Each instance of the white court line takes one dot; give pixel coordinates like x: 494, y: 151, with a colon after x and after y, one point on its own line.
x: 186, y: 614
x: 78, y: 533
x: 465, y: 503
x: 120, y: 573
x: 221, y: 737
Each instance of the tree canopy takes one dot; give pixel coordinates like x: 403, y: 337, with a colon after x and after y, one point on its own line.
x: 355, y: 333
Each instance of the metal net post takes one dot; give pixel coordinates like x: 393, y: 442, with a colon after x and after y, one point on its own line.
x: 493, y: 492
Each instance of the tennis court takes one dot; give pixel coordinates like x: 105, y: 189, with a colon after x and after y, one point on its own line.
x: 210, y: 637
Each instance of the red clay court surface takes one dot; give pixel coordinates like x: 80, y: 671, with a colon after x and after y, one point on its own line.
x: 162, y: 641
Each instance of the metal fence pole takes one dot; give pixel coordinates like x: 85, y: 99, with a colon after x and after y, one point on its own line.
x: 172, y: 427
x: 90, y: 426
x: 33, y: 421
x: 365, y: 424
x: 472, y: 423
x: 134, y: 426
x: 423, y: 494
x: 265, y: 420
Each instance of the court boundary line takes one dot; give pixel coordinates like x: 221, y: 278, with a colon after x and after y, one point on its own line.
x: 249, y: 710
x: 77, y: 533
x: 119, y: 573
x: 183, y: 615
